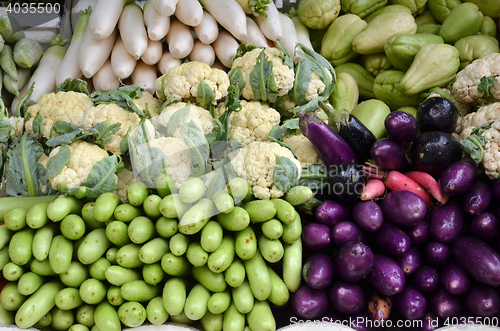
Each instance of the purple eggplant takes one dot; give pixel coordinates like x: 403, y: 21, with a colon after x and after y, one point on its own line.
x: 485, y: 226
x: 353, y: 261
x: 411, y: 303
x: 360, y: 322
x: 316, y: 237
x: 333, y: 149
x: 345, y: 232
x: 446, y: 222
x: 437, y: 254
x: 358, y: 136
x: 410, y: 262
x: 401, y: 126
x: 317, y: 271
x: 389, y: 155
x: 309, y: 303
x: 379, y: 307
x: 478, y: 258
x: 477, y: 199
x: 444, y: 304
x: 386, y: 275
x: 331, y: 212
x: 403, y: 208
x: 495, y: 190
x: 346, y: 181
x: 419, y: 234
x: 482, y: 300
x: 458, y: 178
x: 347, y: 298
x: 392, y: 240
x: 426, y: 279
x: 437, y: 114
x: 430, y: 322
x: 367, y: 215
x: 455, y: 279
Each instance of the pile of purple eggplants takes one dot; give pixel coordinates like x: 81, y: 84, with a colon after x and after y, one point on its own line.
x: 400, y: 256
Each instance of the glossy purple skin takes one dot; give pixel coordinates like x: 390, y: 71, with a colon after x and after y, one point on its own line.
x: 485, y: 226
x: 353, y: 261
x: 477, y: 199
x: 360, y: 322
x: 410, y: 262
x: 478, y: 258
x: 458, y: 178
x: 331, y: 212
x: 427, y: 279
x: 444, y: 305
x: 401, y: 126
x: 317, y: 271
x: 347, y: 298
x: 386, y: 275
x: 308, y: 303
x: 389, y: 154
x: 455, y: 279
x: 419, y: 234
x: 446, y: 222
x: 495, y: 190
x: 345, y: 232
x: 429, y: 322
x: 403, y: 208
x: 482, y: 300
x: 437, y: 254
x: 367, y: 215
x: 392, y: 240
x: 316, y: 237
x: 411, y: 303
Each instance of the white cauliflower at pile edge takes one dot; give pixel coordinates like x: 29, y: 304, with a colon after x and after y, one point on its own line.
x: 305, y: 150
x: 147, y: 99
x: 124, y: 178
x: 256, y: 163
x: 178, y: 161
x: 200, y: 116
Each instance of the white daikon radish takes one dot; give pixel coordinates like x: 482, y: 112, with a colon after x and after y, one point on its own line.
x: 179, y: 39
x: 69, y: 67
x: 144, y: 76
x: 271, y: 25
x: 165, y: 7
x: 290, y: 39
x: 229, y: 14
x: 122, y: 63
x: 225, y: 47
x: 157, y: 25
x: 302, y: 32
x: 255, y: 36
x: 202, y: 53
x: 153, y: 53
x: 94, y: 53
x: 105, y: 16
x: 133, y: 31
x: 167, y: 62
x: 105, y: 80
x: 189, y: 12
x: 208, y: 30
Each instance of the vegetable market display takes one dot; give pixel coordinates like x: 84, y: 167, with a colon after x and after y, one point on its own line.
x: 225, y: 165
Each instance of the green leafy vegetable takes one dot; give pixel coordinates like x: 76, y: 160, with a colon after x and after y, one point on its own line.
x: 303, y: 74
x: 314, y: 176
x: 24, y: 103
x: 485, y: 84
x: 278, y: 133
x: 335, y: 117
x: 285, y: 55
x: 100, y: 133
x: 232, y: 102
x: 286, y: 174
x: 73, y: 84
x: 123, y: 96
x: 198, y: 146
x: 56, y: 163
x: 168, y: 102
x: 216, y: 133
x: 262, y: 80
x: 259, y: 7
x: 205, y: 95
x: 474, y: 145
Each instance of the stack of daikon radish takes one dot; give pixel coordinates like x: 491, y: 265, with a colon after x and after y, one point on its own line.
x: 122, y: 42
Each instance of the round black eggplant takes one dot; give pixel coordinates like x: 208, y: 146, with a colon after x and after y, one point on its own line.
x: 359, y: 137
x: 347, y: 181
x: 437, y: 114
x: 434, y: 151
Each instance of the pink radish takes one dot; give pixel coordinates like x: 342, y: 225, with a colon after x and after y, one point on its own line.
x: 144, y: 76
x: 189, y: 12
x: 397, y: 181
x: 105, y: 80
x: 430, y: 184
x: 153, y: 53
x: 208, y: 30
x: 122, y: 62
x: 225, y: 47
x: 229, y: 14
x: 157, y: 25
x: 132, y: 30
x: 179, y: 39
x: 202, y: 53
x: 167, y: 62
x: 105, y: 16
x: 94, y: 53
x: 374, y: 188
x: 165, y: 7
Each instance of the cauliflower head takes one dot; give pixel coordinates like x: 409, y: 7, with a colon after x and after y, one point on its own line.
x: 253, y: 122
x: 115, y: 114
x: 467, y: 80
x: 83, y: 157
x: 125, y: 177
x: 147, y: 99
x: 256, y: 163
x: 305, y: 150
x: 182, y: 81
x: 61, y: 106
x: 178, y: 161
x: 200, y: 116
x: 284, y: 76
x: 491, y: 156
x: 484, y: 115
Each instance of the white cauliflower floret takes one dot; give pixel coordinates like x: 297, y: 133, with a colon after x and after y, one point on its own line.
x: 84, y: 156
x: 115, y: 114
x: 182, y: 81
x: 491, y: 158
x: 61, y: 106
x: 484, y: 115
x: 256, y: 163
x: 152, y: 103
x: 467, y: 81
x: 305, y: 150
x: 125, y: 178
x: 200, y: 116
x: 253, y: 122
x: 178, y: 161
x: 283, y: 74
